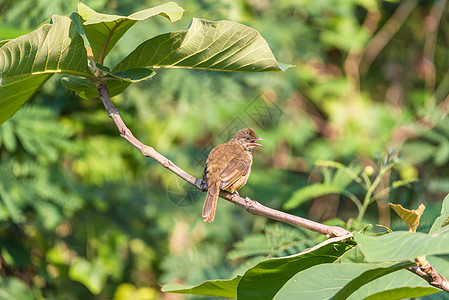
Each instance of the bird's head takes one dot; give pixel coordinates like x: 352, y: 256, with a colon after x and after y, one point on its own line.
x: 247, y: 138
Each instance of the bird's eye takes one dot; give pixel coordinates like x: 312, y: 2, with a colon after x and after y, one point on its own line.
x: 247, y: 137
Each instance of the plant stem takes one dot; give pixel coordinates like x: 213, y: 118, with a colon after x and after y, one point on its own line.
x: 368, y: 199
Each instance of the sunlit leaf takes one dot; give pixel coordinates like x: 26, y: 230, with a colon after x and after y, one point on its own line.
x: 402, y: 284
x: 265, y: 279
x: 28, y: 61
x: 206, y: 45
x: 218, y: 288
x: 403, y: 245
x: 103, y: 31
x: 410, y: 217
x: 53, y: 48
x: 339, y: 280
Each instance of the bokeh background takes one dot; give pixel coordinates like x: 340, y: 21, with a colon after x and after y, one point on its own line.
x: 84, y: 215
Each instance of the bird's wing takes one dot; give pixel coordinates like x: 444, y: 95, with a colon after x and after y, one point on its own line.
x: 237, y: 167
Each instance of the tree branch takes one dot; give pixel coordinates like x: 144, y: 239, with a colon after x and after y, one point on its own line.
x: 251, y: 206
x: 429, y: 274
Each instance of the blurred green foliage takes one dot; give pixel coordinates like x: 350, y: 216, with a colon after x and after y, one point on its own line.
x: 82, y: 212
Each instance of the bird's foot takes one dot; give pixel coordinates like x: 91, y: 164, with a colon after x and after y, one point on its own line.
x: 201, y: 184
x: 235, y: 194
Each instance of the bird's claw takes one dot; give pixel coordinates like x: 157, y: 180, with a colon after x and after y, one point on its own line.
x: 201, y: 184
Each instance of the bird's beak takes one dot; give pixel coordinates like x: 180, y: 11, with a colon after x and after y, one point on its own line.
x: 253, y: 142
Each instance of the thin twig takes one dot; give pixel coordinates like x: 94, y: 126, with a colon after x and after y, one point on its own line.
x: 251, y: 206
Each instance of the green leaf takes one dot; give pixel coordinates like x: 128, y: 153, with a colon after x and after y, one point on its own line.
x: 403, y: 245
x: 218, y: 288
x: 53, y: 48
x: 76, y: 19
x: 86, y: 88
x: 129, y: 75
x: 310, y: 192
x: 443, y: 219
x: 402, y: 293
x: 336, y: 281
x: 16, y: 92
x: 265, y: 279
x: 206, y: 45
x: 401, y: 284
x: 134, y: 75
x: 368, y: 276
x: 28, y: 61
x: 103, y: 31
x: 354, y: 255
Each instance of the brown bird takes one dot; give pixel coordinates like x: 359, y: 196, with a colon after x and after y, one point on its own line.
x: 228, y: 167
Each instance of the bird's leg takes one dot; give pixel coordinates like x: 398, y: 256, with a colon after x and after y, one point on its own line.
x: 235, y: 194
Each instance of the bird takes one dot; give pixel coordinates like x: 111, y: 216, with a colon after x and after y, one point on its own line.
x: 228, y: 167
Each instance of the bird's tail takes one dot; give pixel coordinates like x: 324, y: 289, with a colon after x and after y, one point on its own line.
x: 211, y: 202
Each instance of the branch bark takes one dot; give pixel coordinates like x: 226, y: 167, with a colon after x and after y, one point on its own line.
x: 251, y: 206
x: 429, y: 274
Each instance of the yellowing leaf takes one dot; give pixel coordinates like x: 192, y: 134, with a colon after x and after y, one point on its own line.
x: 410, y: 217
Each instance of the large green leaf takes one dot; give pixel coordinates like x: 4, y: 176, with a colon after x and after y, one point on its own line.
x: 367, y: 276
x: 402, y: 284
x: 265, y: 279
x: 103, y: 31
x: 207, y: 45
x: 15, y: 92
x: 443, y: 219
x: 53, y: 48
x: 336, y: 281
x: 218, y: 288
x: 28, y: 61
x: 403, y: 245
